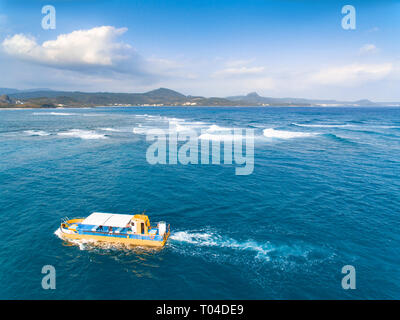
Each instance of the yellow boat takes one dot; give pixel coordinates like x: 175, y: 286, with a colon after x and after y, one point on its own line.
x: 119, y: 228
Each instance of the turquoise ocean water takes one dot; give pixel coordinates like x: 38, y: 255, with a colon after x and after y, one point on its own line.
x: 324, y: 193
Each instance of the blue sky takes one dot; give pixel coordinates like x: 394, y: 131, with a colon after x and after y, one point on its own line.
x: 211, y: 48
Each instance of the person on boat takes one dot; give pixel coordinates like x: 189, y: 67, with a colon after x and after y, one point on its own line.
x: 133, y: 227
x: 100, y: 228
x: 110, y: 229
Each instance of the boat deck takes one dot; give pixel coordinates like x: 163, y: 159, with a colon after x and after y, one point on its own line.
x: 117, y: 232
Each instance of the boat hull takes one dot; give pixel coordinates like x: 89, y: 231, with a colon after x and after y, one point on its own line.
x: 75, y: 229
x: 130, y: 241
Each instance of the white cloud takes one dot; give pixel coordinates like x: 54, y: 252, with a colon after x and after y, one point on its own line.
x: 368, y: 48
x: 237, y: 63
x: 96, y: 51
x: 168, y: 68
x: 353, y: 74
x: 95, y: 47
x: 239, y: 68
x: 239, y: 71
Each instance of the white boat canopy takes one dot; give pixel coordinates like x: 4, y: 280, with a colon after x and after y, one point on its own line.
x: 108, y: 219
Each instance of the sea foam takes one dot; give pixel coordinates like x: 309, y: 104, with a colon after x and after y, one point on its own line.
x: 221, y: 137
x: 321, y: 125
x: 54, y: 114
x: 82, y: 134
x: 110, y: 129
x: 36, y: 133
x: 216, y: 128
x: 282, y: 134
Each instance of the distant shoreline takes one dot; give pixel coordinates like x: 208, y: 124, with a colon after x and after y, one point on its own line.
x: 177, y: 106
x: 162, y: 97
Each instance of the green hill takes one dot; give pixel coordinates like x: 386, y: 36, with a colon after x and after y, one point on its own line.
x: 161, y: 97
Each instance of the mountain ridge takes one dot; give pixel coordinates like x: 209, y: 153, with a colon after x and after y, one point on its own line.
x: 37, y: 98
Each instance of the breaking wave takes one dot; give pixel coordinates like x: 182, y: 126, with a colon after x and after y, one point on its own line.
x: 110, y: 129
x: 349, y: 126
x: 40, y: 133
x: 82, y: 134
x: 140, y: 129
x: 177, y: 127
x: 215, y: 128
x: 221, y: 137
x: 54, y: 114
x: 281, y: 134
x: 321, y: 125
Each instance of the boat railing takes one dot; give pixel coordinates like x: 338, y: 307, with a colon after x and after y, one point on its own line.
x: 116, y: 234
x: 106, y: 232
x: 64, y: 222
x: 65, y: 219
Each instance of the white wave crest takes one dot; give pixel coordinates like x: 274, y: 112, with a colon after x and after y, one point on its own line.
x: 54, y: 114
x: 36, y: 133
x: 82, y: 134
x: 281, y: 134
x: 172, y: 119
x: 174, y: 127
x: 216, y: 128
x: 321, y: 125
x: 149, y: 116
x: 221, y: 137
x: 110, y: 129
x: 177, y: 127
x: 140, y: 130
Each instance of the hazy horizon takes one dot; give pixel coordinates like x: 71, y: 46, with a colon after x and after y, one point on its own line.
x: 194, y: 95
